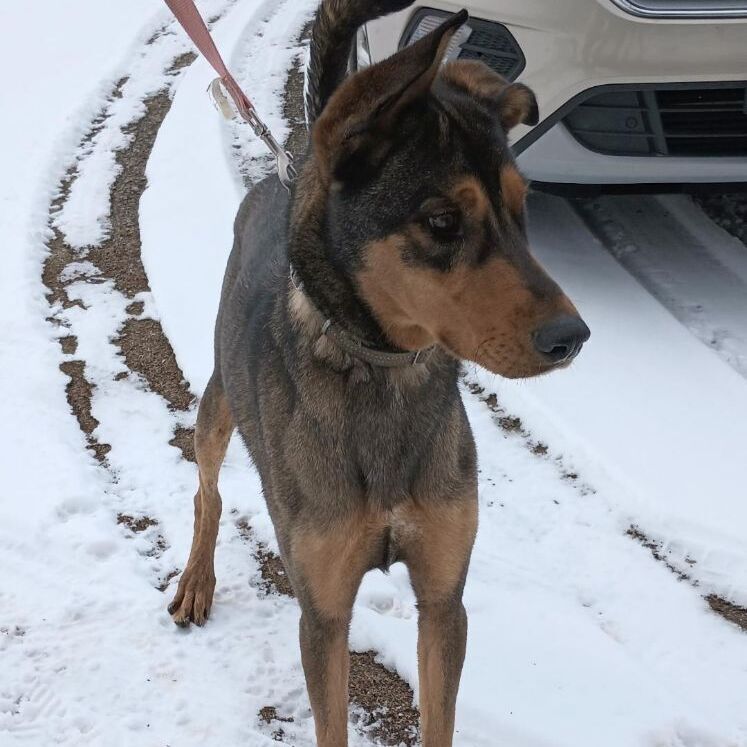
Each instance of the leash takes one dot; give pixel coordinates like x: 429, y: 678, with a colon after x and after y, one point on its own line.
x: 185, y: 11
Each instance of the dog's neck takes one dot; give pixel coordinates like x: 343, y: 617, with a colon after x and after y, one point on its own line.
x: 353, y: 346
x: 343, y: 318
x: 330, y: 291
x: 411, y: 369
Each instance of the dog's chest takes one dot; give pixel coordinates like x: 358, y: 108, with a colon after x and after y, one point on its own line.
x: 368, y: 441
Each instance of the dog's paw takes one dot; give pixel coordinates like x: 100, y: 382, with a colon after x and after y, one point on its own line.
x: 194, y: 595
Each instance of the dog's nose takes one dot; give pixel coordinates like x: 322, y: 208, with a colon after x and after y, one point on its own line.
x: 561, y: 339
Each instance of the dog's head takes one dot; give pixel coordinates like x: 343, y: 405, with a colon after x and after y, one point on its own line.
x: 425, y: 210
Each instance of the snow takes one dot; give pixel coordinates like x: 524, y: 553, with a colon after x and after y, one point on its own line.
x: 646, y: 405
x: 577, y: 637
x: 696, y: 270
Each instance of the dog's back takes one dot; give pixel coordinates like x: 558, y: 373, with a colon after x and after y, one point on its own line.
x: 256, y: 263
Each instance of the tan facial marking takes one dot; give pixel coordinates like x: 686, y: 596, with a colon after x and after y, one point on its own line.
x: 513, y: 189
x: 471, y: 197
x: 485, y: 314
x: 446, y: 307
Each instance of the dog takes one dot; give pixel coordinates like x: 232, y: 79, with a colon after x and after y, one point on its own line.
x: 347, y: 308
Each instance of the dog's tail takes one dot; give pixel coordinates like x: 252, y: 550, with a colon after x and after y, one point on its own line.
x: 332, y: 36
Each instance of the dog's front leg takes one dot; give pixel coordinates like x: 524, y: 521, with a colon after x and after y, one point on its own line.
x: 326, y: 664
x: 327, y: 568
x: 442, y: 638
x: 194, y: 596
x: 438, y: 558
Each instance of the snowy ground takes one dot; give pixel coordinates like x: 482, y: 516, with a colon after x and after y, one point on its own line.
x: 578, y: 637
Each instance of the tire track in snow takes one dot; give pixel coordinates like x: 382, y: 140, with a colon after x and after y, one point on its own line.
x: 513, y: 426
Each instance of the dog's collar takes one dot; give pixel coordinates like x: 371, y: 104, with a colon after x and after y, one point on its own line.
x: 359, y: 349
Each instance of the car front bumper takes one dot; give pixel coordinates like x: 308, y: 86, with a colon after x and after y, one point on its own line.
x: 574, y: 46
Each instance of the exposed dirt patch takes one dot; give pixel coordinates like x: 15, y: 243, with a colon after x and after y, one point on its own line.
x: 142, y: 342
x: 139, y: 524
x: 164, y: 584
x: 136, y: 524
x: 69, y: 344
x: 79, y: 389
x: 658, y: 552
x: 147, y: 352
x: 269, y: 715
x: 159, y: 547
x: 389, y: 716
x: 184, y: 439
x: 273, y: 578
x: 293, y: 106
x: 727, y: 610
x: 144, y: 346
x: 510, y: 424
x: 135, y: 308
x: 79, y: 392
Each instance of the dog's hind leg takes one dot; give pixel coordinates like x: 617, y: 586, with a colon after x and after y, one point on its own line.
x: 437, y: 558
x: 327, y: 568
x: 194, y: 595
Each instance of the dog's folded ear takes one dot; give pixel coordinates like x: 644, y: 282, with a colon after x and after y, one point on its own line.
x: 517, y: 104
x: 512, y: 103
x: 356, y: 131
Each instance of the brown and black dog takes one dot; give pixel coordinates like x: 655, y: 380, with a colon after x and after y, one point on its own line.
x: 346, y: 309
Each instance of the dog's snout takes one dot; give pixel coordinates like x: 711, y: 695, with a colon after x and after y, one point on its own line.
x: 561, y: 339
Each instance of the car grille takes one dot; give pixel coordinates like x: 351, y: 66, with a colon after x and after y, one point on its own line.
x: 685, y: 8
x: 491, y: 43
x: 664, y: 121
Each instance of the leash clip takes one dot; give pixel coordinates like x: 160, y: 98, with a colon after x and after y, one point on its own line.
x: 284, y: 160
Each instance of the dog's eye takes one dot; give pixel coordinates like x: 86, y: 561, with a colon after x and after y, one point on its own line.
x: 444, y: 225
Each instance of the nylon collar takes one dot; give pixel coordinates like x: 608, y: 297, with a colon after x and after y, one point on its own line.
x: 360, y: 349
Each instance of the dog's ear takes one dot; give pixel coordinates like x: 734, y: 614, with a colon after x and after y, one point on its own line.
x: 418, y: 65
x: 512, y: 103
x: 517, y: 104
x: 372, y: 103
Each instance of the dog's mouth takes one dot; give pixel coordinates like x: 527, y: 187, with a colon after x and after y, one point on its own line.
x: 520, y: 359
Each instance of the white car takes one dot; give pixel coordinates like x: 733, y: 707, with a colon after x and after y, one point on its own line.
x: 629, y: 91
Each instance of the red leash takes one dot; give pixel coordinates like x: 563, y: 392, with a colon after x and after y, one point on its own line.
x: 191, y: 21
